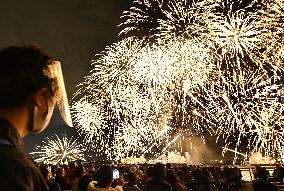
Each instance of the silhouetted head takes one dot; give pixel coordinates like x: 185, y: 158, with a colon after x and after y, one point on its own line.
x: 104, y: 176
x: 21, y: 74
x: 261, y: 173
x: 158, y: 170
x: 132, y: 178
x: 25, y: 88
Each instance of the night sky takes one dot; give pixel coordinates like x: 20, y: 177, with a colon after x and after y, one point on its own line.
x: 71, y: 31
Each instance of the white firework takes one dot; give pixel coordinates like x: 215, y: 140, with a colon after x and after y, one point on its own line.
x: 139, y: 86
x: 142, y: 18
x: 238, y: 33
x: 59, y: 151
x: 247, y: 106
x: 144, y: 96
x: 185, y: 18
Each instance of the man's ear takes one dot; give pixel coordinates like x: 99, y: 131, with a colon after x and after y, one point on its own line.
x: 40, y: 97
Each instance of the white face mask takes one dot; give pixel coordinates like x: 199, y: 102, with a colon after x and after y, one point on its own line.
x: 41, y: 120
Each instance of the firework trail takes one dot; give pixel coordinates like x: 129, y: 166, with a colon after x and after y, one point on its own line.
x: 59, y: 150
x: 236, y: 152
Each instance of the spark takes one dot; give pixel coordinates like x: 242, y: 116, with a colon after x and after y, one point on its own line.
x: 174, y: 140
x: 236, y: 152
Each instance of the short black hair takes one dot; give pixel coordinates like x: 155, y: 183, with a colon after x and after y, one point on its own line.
x: 104, y: 176
x: 21, y: 74
x: 79, y: 171
x: 84, y: 182
x: 44, y: 171
x: 262, y: 173
x: 132, y: 178
x: 59, y: 172
x: 158, y: 170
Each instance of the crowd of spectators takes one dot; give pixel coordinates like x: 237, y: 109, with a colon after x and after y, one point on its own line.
x: 157, y: 177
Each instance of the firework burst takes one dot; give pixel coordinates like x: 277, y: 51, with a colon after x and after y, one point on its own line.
x: 137, y: 90
x: 184, y: 18
x: 215, y: 67
x: 142, y: 18
x: 247, y: 106
x: 277, y: 6
x: 59, y: 150
x: 238, y: 33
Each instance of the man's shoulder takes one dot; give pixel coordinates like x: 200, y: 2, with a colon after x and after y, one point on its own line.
x: 11, y: 157
x: 131, y: 188
x: 264, y: 185
x: 18, y: 171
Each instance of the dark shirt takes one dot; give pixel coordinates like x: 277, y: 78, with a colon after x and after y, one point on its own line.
x: 157, y: 184
x: 259, y: 185
x: 17, y: 171
x: 53, y: 186
x: 62, y: 182
x: 131, y: 188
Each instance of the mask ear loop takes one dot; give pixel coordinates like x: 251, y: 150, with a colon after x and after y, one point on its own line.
x: 39, y: 119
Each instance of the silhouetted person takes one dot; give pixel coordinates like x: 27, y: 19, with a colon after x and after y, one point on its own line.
x: 104, y: 178
x: 28, y: 93
x: 79, y: 172
x: 84, y: 182
x: 61, y: 180
x: 202, y: 182
x: 46, y: 175
x: 157, y: 183
x: 262, y: 183
x: 132, y: 182
x: 172, y: 179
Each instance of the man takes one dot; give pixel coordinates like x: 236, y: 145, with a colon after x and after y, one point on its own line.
x: 30, y: 85
x: 262, y: 183
x: 132, y: 182
x: 156, y: 183
x: 104, y: 178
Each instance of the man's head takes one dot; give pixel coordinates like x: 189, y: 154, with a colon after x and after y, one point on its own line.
x: 23, y: 84
x: 132, y: 178
x: 262, y: 174
x: 60, y: 172
x: 158, y: 170
x: 104, y: 176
